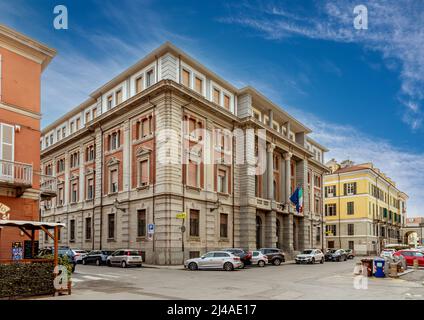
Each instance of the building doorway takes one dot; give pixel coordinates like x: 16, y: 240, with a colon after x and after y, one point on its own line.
x: 258, y: 232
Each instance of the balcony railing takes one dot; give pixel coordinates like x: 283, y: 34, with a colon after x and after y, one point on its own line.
x: 48, y: 186
x: 15, y: 173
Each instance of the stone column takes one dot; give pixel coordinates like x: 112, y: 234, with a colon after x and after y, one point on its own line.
x: 287, y: 158
x: 81, y: 196
x: 270, y: 171
x: 126, y: 159
x: 270, y: 229
x: 98, y: 177
x: 288, y: 234
x: 282, y: 191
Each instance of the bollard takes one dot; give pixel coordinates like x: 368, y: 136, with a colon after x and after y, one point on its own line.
x: 415, y: 264
x: 393, y: 270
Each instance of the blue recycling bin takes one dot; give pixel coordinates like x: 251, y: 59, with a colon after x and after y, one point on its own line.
x: 379, y: 268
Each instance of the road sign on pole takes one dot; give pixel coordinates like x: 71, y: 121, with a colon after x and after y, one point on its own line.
x: 181, y: 215
x: 151, y: 228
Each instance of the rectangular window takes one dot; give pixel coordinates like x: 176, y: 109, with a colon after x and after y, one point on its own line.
x: 87, y: 117
x: 150, y: 78
x: 87, y: 228
x: 186, y: 78
x: 141, y: 223
x: 72, y: 230
x: 118, y: 97
x: 226, y: 102
x: 330, y: 191
x: 113, y: 181
x: 330, y: 210
x: 223, y: 225
x: 71, y: 127
x: 216, y: 96
x: 63, y: 132
x: 109, y: 102
x: 144, y: 173
x: 351, y: 245
x: 94, y: 113
x: 198, y: 85
x: 90, y: 188
x: 145, y: 126
x: 111, y: 226
x: 350, y: 208
x: 350, y: 229
x: 331, y: 230
x: 114, y: 140
x: 7, y: 146
x: 350, y: 188
x: 194, y: 223
x: 74, y: 192
x: 78, y: 124
x: 192, y: 168
x: 60, y: 196
x: 138, y: 84
x: 222, y: 181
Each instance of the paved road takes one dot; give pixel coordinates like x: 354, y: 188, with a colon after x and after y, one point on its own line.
x: 329, y: 281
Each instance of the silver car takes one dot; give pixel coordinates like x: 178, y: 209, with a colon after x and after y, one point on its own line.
x: 214, y: 260
x: 259, y: 259
x: 310, y: 256
x: 125, y: 258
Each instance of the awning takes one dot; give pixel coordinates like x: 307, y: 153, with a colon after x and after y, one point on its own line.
x: 31, y: 225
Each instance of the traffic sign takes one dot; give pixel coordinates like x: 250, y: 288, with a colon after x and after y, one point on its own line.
x: 151, y: 228
x: 181, y: 215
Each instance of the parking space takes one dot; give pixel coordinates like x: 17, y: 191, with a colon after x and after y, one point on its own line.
x: 331, y: 280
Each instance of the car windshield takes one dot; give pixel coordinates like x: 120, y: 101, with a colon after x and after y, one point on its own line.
x: 307, y: 251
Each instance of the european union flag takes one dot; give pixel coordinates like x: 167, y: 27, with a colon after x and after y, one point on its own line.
x: 297, y: 199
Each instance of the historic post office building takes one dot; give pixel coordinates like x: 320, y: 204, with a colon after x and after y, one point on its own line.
x: 112, y: 181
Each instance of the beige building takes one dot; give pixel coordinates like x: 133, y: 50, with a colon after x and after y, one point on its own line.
x: 168, y: 136
x: 364, y: 210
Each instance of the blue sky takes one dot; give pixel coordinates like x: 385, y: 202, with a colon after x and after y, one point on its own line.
x: 361, y: 91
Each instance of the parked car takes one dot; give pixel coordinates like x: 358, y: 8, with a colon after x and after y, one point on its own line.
x: 336, y: 255
x: 214, y: 260
x: 79, y: 254
x: 310, y: 256
x: 125, y: 258
x: 410, y: 256
x: 387, y: 253
x: 245, y: 256
x: 62, y: 251
x: 258, y: 258
x: 97, y: 257
x: 274, y: 255
x: 350, y: 253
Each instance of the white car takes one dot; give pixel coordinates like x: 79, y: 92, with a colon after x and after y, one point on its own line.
x: 79, y: 254
x: 214, y: 260
x: 125, y: 258
x: 387, y: 253
x: 258, y: 258
x: 310, y: 256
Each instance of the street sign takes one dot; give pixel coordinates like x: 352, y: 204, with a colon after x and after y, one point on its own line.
x: 4, y: 212
x: 181, y: 215
x: 151, y: 228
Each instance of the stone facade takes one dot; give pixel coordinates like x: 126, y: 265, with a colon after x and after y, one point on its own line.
x: 227, y: 201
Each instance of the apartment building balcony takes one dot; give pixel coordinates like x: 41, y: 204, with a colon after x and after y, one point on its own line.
x: 15, y: 175
x: 263, y: 204
x: 48, y: 187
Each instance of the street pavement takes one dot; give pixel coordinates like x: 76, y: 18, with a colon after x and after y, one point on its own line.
x: 332, y: 280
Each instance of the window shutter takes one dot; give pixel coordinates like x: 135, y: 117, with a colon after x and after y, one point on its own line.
x: 354, y: 188
x: 345, y: 189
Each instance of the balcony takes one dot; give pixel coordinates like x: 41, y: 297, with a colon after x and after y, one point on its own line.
x: 48, y: 187
x: 15, y: 175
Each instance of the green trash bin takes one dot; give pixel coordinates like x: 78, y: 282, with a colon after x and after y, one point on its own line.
x: 367, y: 264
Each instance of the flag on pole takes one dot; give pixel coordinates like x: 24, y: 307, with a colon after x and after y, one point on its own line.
x: 297, y: 199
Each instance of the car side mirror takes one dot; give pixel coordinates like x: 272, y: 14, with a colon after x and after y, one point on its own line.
x: 202, y: 257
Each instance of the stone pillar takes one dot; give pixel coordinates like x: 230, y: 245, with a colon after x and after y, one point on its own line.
x: 270, y: 229
x: 288, y: 234
x: 287, y: 158
x: 98, y: 177
x: 270, y: 171
x: 126, y: 159
x: 81, y: 195
x: 282, y: 190
x: 304, y: 222
x: 271, y: 117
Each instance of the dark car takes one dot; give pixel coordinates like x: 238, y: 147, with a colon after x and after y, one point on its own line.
x: 245, y: 256
x: 62, y: 251
x: 336, y: 255
x: 274, y: 255
x: 350, y: 253
x: 97, y: 257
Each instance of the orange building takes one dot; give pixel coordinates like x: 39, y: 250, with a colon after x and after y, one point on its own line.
x: 22, y: 60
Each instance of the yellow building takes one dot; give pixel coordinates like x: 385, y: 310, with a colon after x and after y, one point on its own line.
x: 364, y: 210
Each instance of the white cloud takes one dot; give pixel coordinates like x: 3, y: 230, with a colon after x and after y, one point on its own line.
x: 395, y: 29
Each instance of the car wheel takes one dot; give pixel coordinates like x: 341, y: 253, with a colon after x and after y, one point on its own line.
x: 192, y: 266
x: 228, y: 266
x: 123, y: 264
x: 277, y: 262
x: 261, y: 263
x: 313, y: 261
x: 345, y: 259
x: 322, y: 261
x: 98, y: 262
x: 242, y: 265
x: 84, y: 262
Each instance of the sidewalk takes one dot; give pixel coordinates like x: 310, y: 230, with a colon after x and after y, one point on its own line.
x: 181, y: 267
